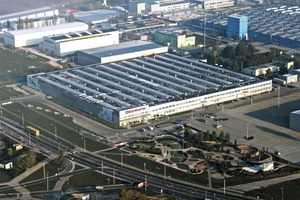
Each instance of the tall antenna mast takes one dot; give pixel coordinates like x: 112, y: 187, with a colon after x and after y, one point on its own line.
x: 204, y: 34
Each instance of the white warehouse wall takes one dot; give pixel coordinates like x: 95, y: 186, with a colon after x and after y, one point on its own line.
x: 27, y: 37
x: 63, y: 48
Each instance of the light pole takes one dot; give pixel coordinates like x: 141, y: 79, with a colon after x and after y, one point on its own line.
x: 248, y: 130
x: 224, y: 192
x: 47, y: 181
x: 22, y: 117
x: 84, y: 147
x: 55, y: 131
x: 281, y: 193
x: 278, y: 89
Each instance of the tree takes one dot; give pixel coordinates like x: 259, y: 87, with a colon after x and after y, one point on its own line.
x: 129, y: 194
x: 227, y: 137
x: 26, y: 161
x: 54, y: 19
x: 221, y: 136
x: 214, y: 136
x: 10, y: 152
x: 71, y: 18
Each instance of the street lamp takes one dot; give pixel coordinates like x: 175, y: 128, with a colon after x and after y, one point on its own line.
x: 55, y: 131
x: 84, y: 146
x: 22, y: 117
x: 248, y: 130
x: 47, y: 181
x: 281, y: 193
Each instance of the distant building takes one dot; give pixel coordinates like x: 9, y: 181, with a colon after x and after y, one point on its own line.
x: 27, y: 37
x: 261, y: 70
x: 95, y: 16
x: 294, y: 120
x: 174, y: 38
x: 214, y: 4
x: 66, y: 44
x: 289, y: 78
x: 122, y: 51
x: 237, y: 26
x: 295, y: 71
x: 11, y: 20
x: 157, y: 6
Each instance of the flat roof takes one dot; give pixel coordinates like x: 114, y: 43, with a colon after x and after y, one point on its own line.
x: 122, y: 48
x: 79, y: 34
x: 95, y: 15
x: 151, y: 80
x: 24, y: 13
x: 296, y: 112
x: 47, y: 28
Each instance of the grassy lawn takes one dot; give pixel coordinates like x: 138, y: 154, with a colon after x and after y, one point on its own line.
x: 15, y: 66
x: 42, y: 186
x: 91, y: 179
x: 4, y: 177
x: 44, y: 118
x: 39, y: 174
x: 101, y: 121
x: 6, y: 93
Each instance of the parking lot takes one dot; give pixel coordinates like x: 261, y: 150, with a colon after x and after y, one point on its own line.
x: 268, y: 124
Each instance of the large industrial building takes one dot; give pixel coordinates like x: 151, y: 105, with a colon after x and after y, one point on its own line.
x: 95, y: 16
x: 122, y: 51
x: 237, y: 26
x: 214, y: 4
x: 27, y: 37
x: 272, y: 25
x: 11, y: 20
x: 138, y: 90
x: 176, y: 38
x: 66, y: 44
x: 157, y: 6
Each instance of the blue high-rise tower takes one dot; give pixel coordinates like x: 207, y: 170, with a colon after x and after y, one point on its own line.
x: 237, y: 26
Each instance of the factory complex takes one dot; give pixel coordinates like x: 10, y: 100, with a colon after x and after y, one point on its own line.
x: 275, y: 25
x: 140, y: 89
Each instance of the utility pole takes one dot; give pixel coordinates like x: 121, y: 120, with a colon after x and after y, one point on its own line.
x: 204, y: 35
x: 145, y: 182
x: 278, y: 98
x: 47, y: 181
x: 224, y: 192
x: 114, y: 176
x: 44, y: 170
x: 102, y: 167
x: 165, y: 172
x: 121, y: 159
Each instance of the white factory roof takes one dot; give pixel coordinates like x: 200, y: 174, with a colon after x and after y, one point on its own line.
x: 148, y: 80
x: 122, y: 48
x: 95, y: 16
x: 46, y: 29
x: 24, y: 13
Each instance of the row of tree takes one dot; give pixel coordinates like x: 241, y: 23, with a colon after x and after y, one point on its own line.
x: 28, y: 22
x: 243, y: 55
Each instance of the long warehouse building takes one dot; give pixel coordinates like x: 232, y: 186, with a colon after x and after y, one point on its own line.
x: 137, y: 90
x: 33, y: 36
x: 68, y: 43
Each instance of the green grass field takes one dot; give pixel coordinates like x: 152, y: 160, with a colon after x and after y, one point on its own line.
x: 15, y: 66
x: 37, y: 117
x: 6, y: 93
x: 91, y: 179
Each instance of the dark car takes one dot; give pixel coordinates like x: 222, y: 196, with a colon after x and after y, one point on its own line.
x: 202, y: 120
x: 250, y: 138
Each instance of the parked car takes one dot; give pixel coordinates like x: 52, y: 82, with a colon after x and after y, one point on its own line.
x: 142, y: 130
x: 250, y: 138
x: 150, y: 128
x: 202, y: 120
